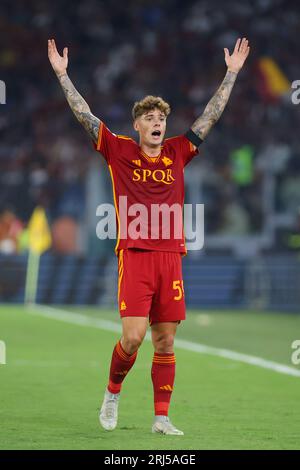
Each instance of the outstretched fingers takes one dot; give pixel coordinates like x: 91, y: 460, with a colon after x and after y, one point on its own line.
x: 51, y: 46
x: 241, y: 46
x: 247, y: 52
x: 51, y: 52
x: 244, y: 46
x: 54, y: 46
x: 237, y: 45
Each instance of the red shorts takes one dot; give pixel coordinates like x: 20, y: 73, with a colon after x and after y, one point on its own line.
x: 150, y: 284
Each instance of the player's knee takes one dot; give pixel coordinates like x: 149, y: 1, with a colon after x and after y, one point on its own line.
x: 132, y: 341
x: 164, y: 344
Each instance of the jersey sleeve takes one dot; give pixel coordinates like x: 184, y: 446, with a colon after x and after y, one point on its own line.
x: 185, y: 147
x: 107, y: 144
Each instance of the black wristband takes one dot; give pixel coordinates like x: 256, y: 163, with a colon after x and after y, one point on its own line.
x: 194, y: 138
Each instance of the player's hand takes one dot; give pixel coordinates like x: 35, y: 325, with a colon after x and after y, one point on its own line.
x: 58, y: 62
x: 236, y: 60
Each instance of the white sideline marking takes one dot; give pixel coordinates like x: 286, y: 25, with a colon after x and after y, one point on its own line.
x: 84, y: 320
x: 46, y: 363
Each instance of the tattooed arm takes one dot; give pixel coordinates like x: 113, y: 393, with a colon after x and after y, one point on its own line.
x: 216, y: 105
x: 78, y: 105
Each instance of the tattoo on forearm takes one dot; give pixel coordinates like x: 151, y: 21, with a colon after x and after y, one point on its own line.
x: 215, y: 107
x: 80, y: 107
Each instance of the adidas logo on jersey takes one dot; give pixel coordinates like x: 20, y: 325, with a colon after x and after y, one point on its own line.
x: 137, y: 162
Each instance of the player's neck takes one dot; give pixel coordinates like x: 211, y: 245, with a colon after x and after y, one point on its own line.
x: 150, y: 150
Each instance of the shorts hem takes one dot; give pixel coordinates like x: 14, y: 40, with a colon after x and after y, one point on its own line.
x: 167, y: 321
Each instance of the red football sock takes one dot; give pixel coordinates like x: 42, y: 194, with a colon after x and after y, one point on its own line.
x: 121, y: 363
x: 163, y: 375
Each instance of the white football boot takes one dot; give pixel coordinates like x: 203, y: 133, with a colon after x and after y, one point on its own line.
x: 163, y: 425
x: 108, y: 415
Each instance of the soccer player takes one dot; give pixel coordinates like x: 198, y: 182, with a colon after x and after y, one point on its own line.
x: 148, y: 175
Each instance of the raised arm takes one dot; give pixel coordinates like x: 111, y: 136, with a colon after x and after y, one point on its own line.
x: 216, y: 105
x: 78, y: 105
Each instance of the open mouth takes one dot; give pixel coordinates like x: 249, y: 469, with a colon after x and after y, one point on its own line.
x: 156, y: 133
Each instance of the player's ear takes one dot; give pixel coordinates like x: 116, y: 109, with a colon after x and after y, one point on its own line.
x: 135, y: 125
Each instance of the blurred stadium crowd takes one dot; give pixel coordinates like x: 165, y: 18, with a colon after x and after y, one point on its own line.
x: 120, y: 51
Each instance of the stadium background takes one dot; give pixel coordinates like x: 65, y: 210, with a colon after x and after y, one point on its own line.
x: 236, y: 384
x: 248, y: 173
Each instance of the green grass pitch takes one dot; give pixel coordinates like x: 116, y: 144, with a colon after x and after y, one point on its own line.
x: 56, y: 372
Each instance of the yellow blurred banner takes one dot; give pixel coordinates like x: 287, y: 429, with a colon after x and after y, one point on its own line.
x: 39, y: 232
x: 276, y: 81
x: 39, y: 241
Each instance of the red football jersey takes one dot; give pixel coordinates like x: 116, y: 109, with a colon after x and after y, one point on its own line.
x: 148, y: 192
